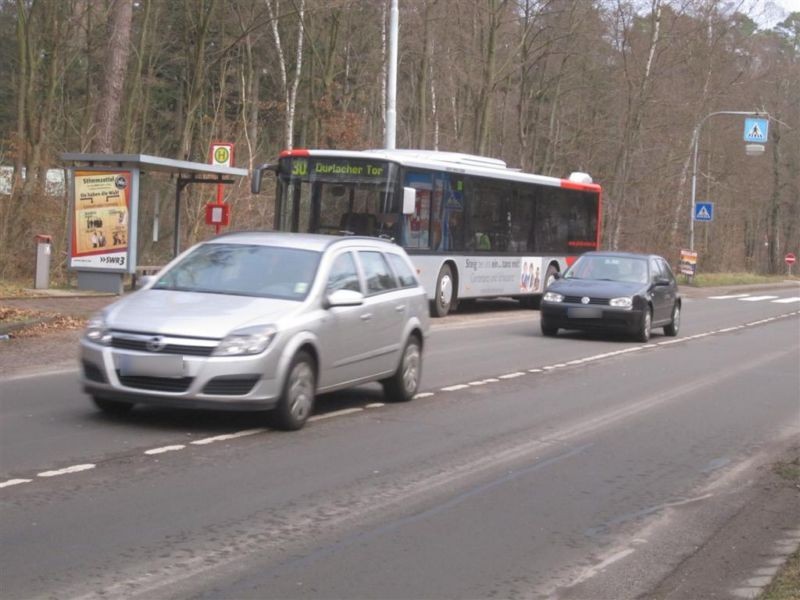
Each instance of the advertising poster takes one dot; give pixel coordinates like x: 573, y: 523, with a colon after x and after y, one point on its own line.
x: 100, y: 227
x: 688, y: 265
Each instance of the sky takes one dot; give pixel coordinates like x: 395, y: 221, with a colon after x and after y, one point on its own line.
x: 768, y: 13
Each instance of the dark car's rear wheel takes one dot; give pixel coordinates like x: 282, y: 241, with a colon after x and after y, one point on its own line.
x: 403, y: 385
x: 645, y: 325
x: 674, y: 325
x: 112, y: 407
x: 297, y: 399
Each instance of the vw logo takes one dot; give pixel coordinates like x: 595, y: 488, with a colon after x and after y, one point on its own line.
x: 585, y: 300
x: 156, y: 344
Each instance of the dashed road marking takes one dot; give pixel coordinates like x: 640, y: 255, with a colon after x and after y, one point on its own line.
x: 757, y: 298
x: 11, y: 482
x: 164, y: 449
x: 66, y: 470
x: 228, y: 436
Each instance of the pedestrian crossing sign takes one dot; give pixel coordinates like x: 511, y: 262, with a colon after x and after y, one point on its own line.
x: 756, y: 130
x: 704, y: 211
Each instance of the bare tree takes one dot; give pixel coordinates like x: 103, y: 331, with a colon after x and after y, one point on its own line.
x: 108, y: 108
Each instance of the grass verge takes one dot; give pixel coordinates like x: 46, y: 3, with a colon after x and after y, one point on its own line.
x: 786, y: 585
x: 722, y: 279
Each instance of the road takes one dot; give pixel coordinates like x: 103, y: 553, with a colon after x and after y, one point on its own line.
x: 574, y: 467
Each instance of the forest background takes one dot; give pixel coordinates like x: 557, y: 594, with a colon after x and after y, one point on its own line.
x: 615, y: 88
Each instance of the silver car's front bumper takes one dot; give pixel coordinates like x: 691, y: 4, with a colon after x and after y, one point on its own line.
x: 227, y: 383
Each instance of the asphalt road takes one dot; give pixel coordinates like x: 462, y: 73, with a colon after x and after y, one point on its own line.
x: 579, y: 466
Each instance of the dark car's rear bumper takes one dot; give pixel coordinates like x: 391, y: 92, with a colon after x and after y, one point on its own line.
x: 577, y: 316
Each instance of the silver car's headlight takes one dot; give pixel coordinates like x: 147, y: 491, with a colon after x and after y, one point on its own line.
x: 250, y: 340
x: 553, y: 297
x: 626, y: 302
x: 97, y: 330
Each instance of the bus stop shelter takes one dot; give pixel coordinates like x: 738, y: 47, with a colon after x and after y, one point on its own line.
x: 103, y: 194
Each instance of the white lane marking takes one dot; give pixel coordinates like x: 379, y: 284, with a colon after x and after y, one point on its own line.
x: 481, y: 382
x: 422, y: 395
x: 229, y: 436
x: 455, y: 388
x: 381, y: 404
x: 728, y: 296
x: 757, y: 298
x: 534, y: 370
x: 595, y: 570
x: 336, y: 413
x: 11, y: 482
x: 787, y: 300
x: 511, y: 375
x: 66, y: 471
x: 163, y: 449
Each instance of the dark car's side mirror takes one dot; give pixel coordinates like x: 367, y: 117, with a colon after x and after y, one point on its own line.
x: 661, y: 281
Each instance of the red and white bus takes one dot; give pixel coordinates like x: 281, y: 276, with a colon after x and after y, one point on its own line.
x: 473, y: 227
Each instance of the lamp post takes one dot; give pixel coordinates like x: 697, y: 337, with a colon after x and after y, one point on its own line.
x: 696, y: 143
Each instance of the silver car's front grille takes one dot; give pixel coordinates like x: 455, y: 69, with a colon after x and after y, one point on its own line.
x: 159, y: 344
x: 156, y: 384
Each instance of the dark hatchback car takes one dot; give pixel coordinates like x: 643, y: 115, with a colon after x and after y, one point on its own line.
x: 614, y: 291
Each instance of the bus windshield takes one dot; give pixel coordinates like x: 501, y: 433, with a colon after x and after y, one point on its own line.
x: 339, y: 196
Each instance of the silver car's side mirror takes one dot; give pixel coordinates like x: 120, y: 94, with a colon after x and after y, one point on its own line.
x: 344, y: 298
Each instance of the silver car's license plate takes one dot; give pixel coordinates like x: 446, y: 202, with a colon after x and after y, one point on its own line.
x: 168, y: 365
x: 584, y: 313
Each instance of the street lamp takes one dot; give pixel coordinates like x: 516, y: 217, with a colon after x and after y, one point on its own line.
x: 750, y: 149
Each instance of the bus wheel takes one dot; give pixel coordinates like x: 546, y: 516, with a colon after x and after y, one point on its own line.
x: 445, y: 294
x: 549, y: 275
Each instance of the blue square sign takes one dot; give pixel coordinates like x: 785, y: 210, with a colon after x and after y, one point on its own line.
x: 703, y: 211
x: 756, y: 130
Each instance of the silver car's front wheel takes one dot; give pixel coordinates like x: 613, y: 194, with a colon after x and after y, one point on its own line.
x: 297, y: 400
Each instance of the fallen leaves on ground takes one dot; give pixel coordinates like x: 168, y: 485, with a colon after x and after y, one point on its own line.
x: 42, y: 322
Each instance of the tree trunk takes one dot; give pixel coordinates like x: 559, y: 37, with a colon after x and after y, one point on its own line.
x: 108, y: 109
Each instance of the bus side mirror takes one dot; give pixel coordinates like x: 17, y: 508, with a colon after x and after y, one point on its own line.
x: 255, y: 181
x: 409, y: 201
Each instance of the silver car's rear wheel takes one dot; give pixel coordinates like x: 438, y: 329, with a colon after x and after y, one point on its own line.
x: 403, y: 385
x: 297, y: 400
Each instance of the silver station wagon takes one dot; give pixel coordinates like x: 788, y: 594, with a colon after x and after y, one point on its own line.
x: 260, y: 321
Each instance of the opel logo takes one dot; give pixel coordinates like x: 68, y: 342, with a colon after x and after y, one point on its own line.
x: 156, y: 344
x: 585, y: 300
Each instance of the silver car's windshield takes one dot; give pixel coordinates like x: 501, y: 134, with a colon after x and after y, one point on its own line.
x: 244, y: 270
x: 609, y: 268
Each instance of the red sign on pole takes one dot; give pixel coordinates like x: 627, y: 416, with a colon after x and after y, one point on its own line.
x: 790, y: 258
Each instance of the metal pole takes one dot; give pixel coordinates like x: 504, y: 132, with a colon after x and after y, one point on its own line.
x: 696, y: 142
x: 176, y: 242
x: 391, y: 100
